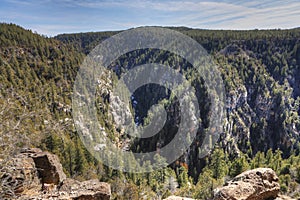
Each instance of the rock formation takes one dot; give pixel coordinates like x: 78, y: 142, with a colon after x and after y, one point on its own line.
x: 90, y: 190
x: 34, y: 174
x: 48, y: 166
x: 17, y: 176
x: 256, y: 184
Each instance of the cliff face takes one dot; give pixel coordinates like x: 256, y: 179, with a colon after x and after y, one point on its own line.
x: 259, y: 70
x: 34, y: 174
x: 262, y: 107
x: 257, y: 184
x: 262, y: 102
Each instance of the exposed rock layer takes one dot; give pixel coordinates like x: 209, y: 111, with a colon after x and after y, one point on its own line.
x: 256, y: 184
x: 34, y: 174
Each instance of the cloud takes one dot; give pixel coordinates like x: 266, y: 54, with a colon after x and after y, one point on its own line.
x: 220, y: 15
x: 214, y: 14
x: 56, y: 16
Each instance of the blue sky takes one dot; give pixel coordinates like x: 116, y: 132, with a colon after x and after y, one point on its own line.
x: 51, y: 17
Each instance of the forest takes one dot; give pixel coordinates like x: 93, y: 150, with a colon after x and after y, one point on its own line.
x: 260, y: 70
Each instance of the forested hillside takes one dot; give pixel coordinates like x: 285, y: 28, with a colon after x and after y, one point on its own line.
x: 260, y: 69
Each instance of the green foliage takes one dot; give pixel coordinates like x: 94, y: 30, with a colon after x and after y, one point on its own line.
x: 36, y: 80
x: 238, y: 166
x: 218, y: 164
x: 205, y: 185
x: 258, y: 160
x: 183, y: 178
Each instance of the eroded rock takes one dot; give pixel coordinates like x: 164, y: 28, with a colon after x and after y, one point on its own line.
x: 34, y: 174
x: 86, y: 190
x: 256, y: 184
x: 49, y: 168
x: 18, y: 175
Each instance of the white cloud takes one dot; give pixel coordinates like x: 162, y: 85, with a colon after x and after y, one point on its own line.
x: 214, y: 14
x: 74, y: 15
x: 244, y: 16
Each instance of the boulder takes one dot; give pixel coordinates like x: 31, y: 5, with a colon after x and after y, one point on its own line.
x: 75, y: 190
x: 49, y: 168
x: 34, y: 174
x: 256, y: 184
x: 92, y: 190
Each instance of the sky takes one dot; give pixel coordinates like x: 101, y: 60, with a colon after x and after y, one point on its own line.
x: 52, y: 17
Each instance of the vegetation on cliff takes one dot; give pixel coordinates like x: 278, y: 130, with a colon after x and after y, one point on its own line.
x: 261, y: 72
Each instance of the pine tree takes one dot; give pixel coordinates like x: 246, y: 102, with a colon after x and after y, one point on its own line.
x: 182, y: 177
x: 238, y: 166
x: 80, y: 162
x: 277, y: 163
x: 218, y: 164
x: 269, y: 157
x: 205, y: 186
x: 258, y: 160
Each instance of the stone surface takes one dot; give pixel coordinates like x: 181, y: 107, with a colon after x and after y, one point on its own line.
x: 49, y: 168
x: 256, y: 184
x: 19, y: 175
x: 86, y: 190
x: 30, y: 151
x: 69, y: 185
x: 93, y: 190
x: 34, y: 174
x: 75, y: 190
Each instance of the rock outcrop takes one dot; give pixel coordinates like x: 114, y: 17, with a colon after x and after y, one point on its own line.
x: 256, y: 184
x: 49, y: 168
x: 91, y: 189
x: 34, y: 174
x: 17, y: 176
x: 47, y: 164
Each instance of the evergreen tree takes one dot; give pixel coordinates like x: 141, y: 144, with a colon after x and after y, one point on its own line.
x: 218, y: 163
x: 238, y: 166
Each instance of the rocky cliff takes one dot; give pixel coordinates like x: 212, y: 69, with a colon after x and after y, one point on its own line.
x: 34, y: 174
x: 257, y: 184
x: 261, y: 77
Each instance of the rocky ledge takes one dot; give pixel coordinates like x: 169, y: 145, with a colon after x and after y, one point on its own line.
x: 34, y: 174
x: 256, y: 184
